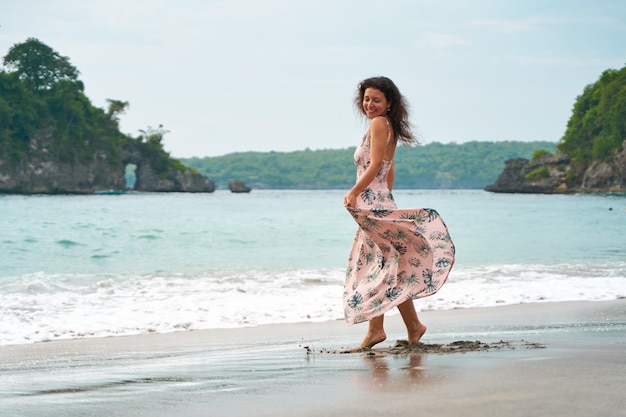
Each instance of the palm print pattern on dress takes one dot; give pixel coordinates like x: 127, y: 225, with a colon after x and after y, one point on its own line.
x: 397, y: 254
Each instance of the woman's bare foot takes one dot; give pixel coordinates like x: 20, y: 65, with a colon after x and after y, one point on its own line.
x: 416, y: 335
x: 414, y: 327
x: 371, y: 339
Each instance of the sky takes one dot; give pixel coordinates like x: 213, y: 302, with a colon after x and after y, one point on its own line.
x: 226, y: 76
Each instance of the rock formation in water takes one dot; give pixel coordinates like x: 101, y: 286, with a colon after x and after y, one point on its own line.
x: 41, y: 173
x: 238, y: 186
x: 550, y: 174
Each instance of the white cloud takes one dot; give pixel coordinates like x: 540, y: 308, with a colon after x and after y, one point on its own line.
x: 440, y: 40
x: 525, y: 24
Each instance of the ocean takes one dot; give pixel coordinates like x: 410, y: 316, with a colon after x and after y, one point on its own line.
x: 138, y: 263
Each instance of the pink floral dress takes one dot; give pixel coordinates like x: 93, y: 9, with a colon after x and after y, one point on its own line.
x: 397, y: 254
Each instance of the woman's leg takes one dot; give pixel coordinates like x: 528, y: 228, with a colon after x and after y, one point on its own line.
x: 415, y: 329
x: 375, y: 333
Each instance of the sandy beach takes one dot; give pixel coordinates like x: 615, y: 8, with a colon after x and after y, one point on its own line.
x: 544, y: 359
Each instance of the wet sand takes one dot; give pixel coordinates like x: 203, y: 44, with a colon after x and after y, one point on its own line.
x: 542, y: 359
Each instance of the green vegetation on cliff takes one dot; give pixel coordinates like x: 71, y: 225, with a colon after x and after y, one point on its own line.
x: 597, y: 127
x: 436, y: 165
x: 43, y: 108
x: 591, y: 154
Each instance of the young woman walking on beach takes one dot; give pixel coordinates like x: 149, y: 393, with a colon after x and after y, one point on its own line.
x: 398, y: 254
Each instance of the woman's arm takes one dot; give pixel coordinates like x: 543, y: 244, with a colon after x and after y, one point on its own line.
x: 378, y: 142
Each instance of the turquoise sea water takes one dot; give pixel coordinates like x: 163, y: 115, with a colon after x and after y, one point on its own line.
x: 78, y: 266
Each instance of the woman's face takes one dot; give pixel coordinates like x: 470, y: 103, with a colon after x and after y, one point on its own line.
x: 374, y: 103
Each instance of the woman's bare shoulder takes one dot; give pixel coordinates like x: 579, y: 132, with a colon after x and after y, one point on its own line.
x: 379, y: 124
x: 379, y: 121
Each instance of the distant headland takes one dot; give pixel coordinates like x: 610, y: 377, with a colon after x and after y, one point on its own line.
x: 53, y: 140
x: 591, y: 155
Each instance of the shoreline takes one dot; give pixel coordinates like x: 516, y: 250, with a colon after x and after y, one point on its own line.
x: 440, y: 314
x: 574, y: 367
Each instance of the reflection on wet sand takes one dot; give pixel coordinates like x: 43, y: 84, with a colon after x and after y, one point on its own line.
x: 408, y: 373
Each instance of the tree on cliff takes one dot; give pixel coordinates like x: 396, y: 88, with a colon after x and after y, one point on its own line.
x: 38, y: 65
x: 597, y: 127
x: 45, y: 108
x: 116, y: 107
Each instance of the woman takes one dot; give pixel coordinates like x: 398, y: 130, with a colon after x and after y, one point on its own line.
x: 398, y: 254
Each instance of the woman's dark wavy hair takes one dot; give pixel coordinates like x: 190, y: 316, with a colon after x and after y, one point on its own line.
x: 398, y: 111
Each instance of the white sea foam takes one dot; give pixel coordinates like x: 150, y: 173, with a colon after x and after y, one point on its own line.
x: 42, y: 307
x: 144, y: 263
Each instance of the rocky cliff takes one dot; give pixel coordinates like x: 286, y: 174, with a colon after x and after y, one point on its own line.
x: 550, y: 174
x: 40, y: 173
